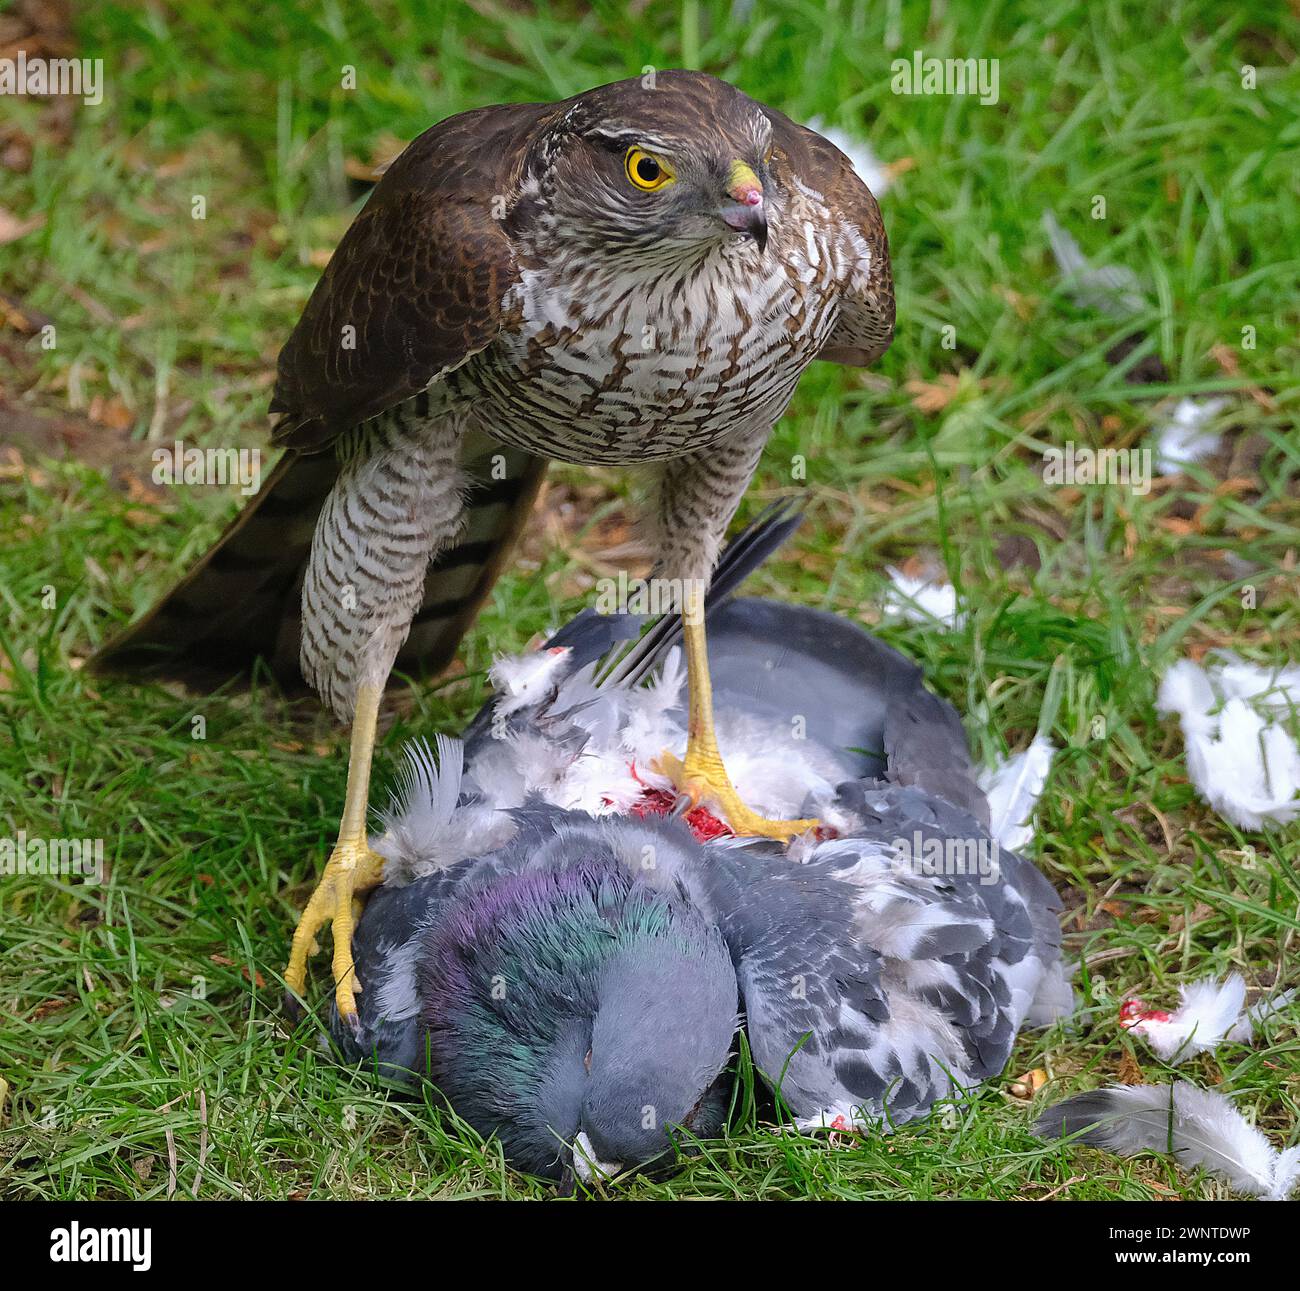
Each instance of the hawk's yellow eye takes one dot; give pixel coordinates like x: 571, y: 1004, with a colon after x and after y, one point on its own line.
x: 645, y: 171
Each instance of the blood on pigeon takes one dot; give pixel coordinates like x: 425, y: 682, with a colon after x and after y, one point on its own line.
x: 701, y: 821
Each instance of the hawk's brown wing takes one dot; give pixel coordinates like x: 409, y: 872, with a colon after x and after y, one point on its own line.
x: 416, y: 286
x: 866, y: 322
x: 420, y: 276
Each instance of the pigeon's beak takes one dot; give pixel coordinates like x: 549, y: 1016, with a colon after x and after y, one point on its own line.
x: 585, y: 1165
x: 745, y: 209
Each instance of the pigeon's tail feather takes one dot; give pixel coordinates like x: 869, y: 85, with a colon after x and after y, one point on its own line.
x: 743, y: 555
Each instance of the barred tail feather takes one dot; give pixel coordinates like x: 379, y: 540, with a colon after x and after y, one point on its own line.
x: 242, y: 602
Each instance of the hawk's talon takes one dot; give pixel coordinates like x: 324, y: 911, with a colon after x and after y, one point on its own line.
x: 702, y: 777
x: 351, y: 870
x: 702, y: 780
x: 684, y: 801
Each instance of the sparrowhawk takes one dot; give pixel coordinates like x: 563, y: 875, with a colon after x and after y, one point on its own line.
x: 634, y: 276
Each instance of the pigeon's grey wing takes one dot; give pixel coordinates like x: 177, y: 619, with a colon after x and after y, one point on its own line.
x: 956, y: 853
x: 847, y: 691
x: 925, y: 746
x: 799, y: 668
x: 813, y: 1000
x: 906, y: 982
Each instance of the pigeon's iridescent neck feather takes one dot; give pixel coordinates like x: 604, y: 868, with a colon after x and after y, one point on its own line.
x: 511, y: 986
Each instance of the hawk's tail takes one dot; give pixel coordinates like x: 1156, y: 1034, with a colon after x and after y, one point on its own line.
x: 242, y: 602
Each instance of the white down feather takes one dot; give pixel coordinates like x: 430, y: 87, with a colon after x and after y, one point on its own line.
x: 1242, y: 761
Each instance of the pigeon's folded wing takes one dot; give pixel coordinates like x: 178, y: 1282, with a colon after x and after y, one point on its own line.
x: 874, y: 982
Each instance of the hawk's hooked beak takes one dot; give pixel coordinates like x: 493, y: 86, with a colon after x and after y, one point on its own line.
x: 746, y: 211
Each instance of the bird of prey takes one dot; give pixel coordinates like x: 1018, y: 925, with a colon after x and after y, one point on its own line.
x: 567, y: 966
x: 634, y: 276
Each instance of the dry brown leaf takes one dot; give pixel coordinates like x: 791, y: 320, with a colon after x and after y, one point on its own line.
x: 1023, y: 306
x: 138, y: 491
x: 930, y: 397
x: 1129, y: 1072
x: 1026, y: 1086
x: 12, y: 228
x: 1226, y: 357
x: 355, y: 168
x: 111, y: 412
x: 15, y: 150
x: 1236, y: 484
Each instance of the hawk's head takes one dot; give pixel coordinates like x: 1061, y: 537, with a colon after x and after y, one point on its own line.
x: 669, y: 162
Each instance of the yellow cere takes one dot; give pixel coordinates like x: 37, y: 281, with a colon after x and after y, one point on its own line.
x: 742, y: 177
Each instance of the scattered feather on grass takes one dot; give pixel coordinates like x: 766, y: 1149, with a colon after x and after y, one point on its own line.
x: 1210, y: 1013
x: 1244, y: 764
x: 919, y: 601
x: 1198, y: 1127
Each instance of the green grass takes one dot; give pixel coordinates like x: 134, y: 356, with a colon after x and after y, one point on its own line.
x: 139, y: 1019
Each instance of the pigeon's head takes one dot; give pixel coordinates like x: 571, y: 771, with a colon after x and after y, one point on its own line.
x: 580, y: 1013
x: 660, y: 1041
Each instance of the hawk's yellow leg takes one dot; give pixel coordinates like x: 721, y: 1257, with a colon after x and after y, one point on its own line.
x: 351, y: 869
x: 702, y: 774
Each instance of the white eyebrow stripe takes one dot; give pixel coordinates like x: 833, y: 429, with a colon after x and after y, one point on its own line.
x: 633, y: 138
